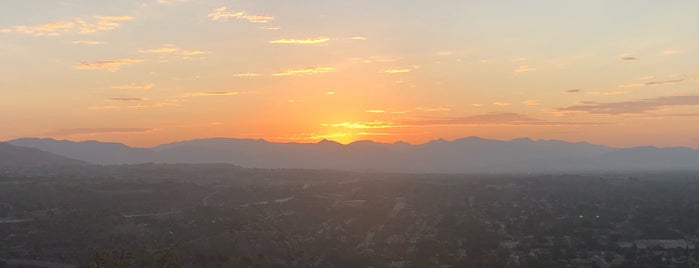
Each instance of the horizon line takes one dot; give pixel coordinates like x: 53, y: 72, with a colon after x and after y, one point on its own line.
x: 349, y: 143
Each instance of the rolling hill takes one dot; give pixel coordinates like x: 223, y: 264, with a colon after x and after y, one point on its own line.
x: 21, y: 157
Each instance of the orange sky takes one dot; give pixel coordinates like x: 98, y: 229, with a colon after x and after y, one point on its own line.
x: 149, y: 72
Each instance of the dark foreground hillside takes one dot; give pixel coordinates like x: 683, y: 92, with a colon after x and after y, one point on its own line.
x: 224, y: 216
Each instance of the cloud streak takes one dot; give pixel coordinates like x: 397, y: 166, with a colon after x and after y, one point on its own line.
x: 87, y: 42
x: 107, y: 65
x: 402, y: 70
x: 363, y: 125
x: 306, y: 71
x: 652, y: 83
x: 501, y: 103
x: 94, y: 131
x: 167, y: 2
x: 531, y: 102
x: 126, y: 99
x: 524, y: 68
x: 73, y: 26
x: 248, y: 75
x: 222, y: 14
x: 642, y: 106
x: 214, y: 93
x: 307, y: 41
x: 490, y: 119
x: 398, y: 70
x: 172, y: 49
x: 672, y: 52
x: 134, y: 86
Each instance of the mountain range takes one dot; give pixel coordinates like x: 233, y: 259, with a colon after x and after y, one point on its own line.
x: 466, y: 155
x: 22, y: 157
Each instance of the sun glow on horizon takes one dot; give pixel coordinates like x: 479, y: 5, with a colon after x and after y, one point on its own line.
x: 151, y: 72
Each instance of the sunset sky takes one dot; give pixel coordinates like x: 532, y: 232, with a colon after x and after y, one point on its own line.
x: 147, y: 72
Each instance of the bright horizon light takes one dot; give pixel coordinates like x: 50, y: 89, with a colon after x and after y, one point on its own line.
x: 149, y: 72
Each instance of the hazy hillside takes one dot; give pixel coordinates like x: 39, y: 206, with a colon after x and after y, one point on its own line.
x: 466, y: 155
x: 95, y: 152
x: 15, y: 156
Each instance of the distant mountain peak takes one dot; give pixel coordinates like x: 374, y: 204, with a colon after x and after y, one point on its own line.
x: 328, y: 142
x: 470, y: 139
x: 436, y: 141
x: 523, y: 139
x: 364, y: 142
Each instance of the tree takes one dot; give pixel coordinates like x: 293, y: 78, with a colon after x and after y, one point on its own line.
x: 110, y: 259
x: 166, y: 259
x: 100, y: 259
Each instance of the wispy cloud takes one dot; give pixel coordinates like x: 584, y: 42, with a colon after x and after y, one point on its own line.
x: 531, y: 102
x: 363, y: 125
x: 627, y: 58
x: 87, y: 42
x: 48, y: 29
x: 173, y: 49
x: 652, y: 83
x: 672, y: 52
x: 400, y: 70
x: 306, y: 71
x: 524, y: 68
x: 631, y: 107
x: 166, y: 2
x: 155, y: 104
x: 107, y: 65
x: 93, y: 131
x: 134, y: 103
x: 126, y: 99
x: 134, y: 86
x: 609, y: 92
x: 222, y: 14
x: 501, y: 103
x: 248, y: 75
x: 490, y: 119
x: 434, y: 108
x: 375, y: 59
x: 445, y: 53
x: 306, y: 41
x: 631, y: 85
x: 573, y: 90
x: 375, y: 111
x: 72, y: 26
x: 101, y: 23
x: 214, y: 93
x: 102, y: 107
